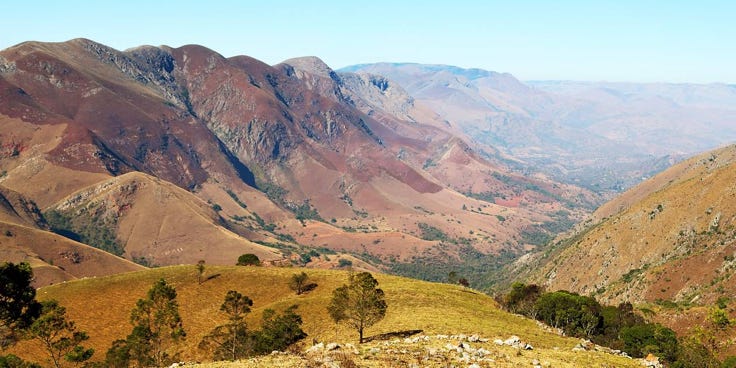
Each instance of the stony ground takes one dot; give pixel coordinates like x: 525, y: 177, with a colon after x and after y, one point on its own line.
x: 438, y: 351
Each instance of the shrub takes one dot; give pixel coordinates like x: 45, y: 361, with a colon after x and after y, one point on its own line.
x: 248, y: 259
x: 342, y: 262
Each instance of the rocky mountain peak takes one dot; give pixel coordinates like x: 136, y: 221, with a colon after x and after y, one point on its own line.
x: 311, y: 64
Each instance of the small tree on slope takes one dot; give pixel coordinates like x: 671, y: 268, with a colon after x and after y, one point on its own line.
x: 360, y: 303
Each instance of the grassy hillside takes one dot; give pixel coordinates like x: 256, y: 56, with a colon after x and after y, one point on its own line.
x: 102, y: 307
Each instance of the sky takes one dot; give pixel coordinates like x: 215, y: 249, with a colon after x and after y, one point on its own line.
x: 618, y: 41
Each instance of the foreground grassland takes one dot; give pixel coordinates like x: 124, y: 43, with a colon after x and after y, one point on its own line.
x: 101, y: 306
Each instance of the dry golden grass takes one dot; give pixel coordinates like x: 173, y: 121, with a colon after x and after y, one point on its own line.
x: 101, y: 306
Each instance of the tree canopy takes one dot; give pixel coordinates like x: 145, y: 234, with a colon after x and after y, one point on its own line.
x: 359, y: 304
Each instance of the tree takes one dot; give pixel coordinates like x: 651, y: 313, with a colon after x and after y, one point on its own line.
x: 59, y: 336
x: 360, y: 303
x: 640, y: 340
x: 118, y: 356
x: 298, y: 282
x: 12, y: 361
x: 521, y: 299
x: 200, y: 271
x: 719, y: 318
x: 248, y: 259
x: 452, y: 276
x: 18, y: 307
x: 156, y: 326
x: 278, y: 331
x: 230, y: 339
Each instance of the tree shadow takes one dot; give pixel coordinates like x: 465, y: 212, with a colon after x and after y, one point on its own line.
x: 309, y: 287
x: 211, y: 277
x: 392, y: 335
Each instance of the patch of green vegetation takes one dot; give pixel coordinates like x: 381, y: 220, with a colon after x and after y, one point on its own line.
x: 633, y: 273
x: 431, y: 233
x: 478, y: 268
x: 344, y: 263
x: 96, y: 231
x: 285, y: 238
x: 483, y: 196
x: 305, y: 211
x: 236, y: 199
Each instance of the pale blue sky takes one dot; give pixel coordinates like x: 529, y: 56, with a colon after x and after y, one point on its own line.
x: 625, y: 40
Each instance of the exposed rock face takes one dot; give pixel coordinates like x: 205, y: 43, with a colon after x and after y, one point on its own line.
x: 355, y: 148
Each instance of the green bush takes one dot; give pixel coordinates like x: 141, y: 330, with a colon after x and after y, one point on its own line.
x: 248, y: 259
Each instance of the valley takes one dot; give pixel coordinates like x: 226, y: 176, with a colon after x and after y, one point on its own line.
x: 118, y: 168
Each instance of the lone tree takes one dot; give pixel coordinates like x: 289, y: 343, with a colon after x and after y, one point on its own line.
x: 298, y: 282
x: 200, y: 271
x: 360, y: 303
x: 59, y: 336
x: 230, y: 339
x: 248, y: 259
x: 18, y: 307
x: 156, y: 326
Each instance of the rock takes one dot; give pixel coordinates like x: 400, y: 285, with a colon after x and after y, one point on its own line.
x: 498, y: 342
x: 450, y: 347
x: 465, y: 346
x: 374, y: 351
x: 535, y: 362
x: 474, y: 365
x: 528, y: 347
x: 431, y: 352
x: 316, y: 348
x: 513, y: 340
x: 332, y: 346
x: 474, y: 338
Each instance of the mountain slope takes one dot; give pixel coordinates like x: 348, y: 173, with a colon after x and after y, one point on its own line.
x: 290, y: 153
x: 157, y: 221
x: 25, y: 238
x: 603, y: 136
x: 671, y: 240
x: 412, y: 305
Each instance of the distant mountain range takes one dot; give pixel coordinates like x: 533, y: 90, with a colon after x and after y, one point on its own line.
x: 168, y: 155
x: 604, y: 136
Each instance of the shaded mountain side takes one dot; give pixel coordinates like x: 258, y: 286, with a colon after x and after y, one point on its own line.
x: 147, y: 219
x: 55, y: 258
x: 668, y: 242
x: 24, y: 237
x: 426, y: 141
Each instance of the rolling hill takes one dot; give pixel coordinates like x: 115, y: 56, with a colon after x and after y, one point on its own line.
x: 435, y: 309
x: 25, y: 237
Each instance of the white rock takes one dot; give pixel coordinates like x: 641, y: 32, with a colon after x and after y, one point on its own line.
x: 316, y: 348
x: 498, y: 342
x: 474, y: 338
x: 513, y: 340
x: 332, y: 346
